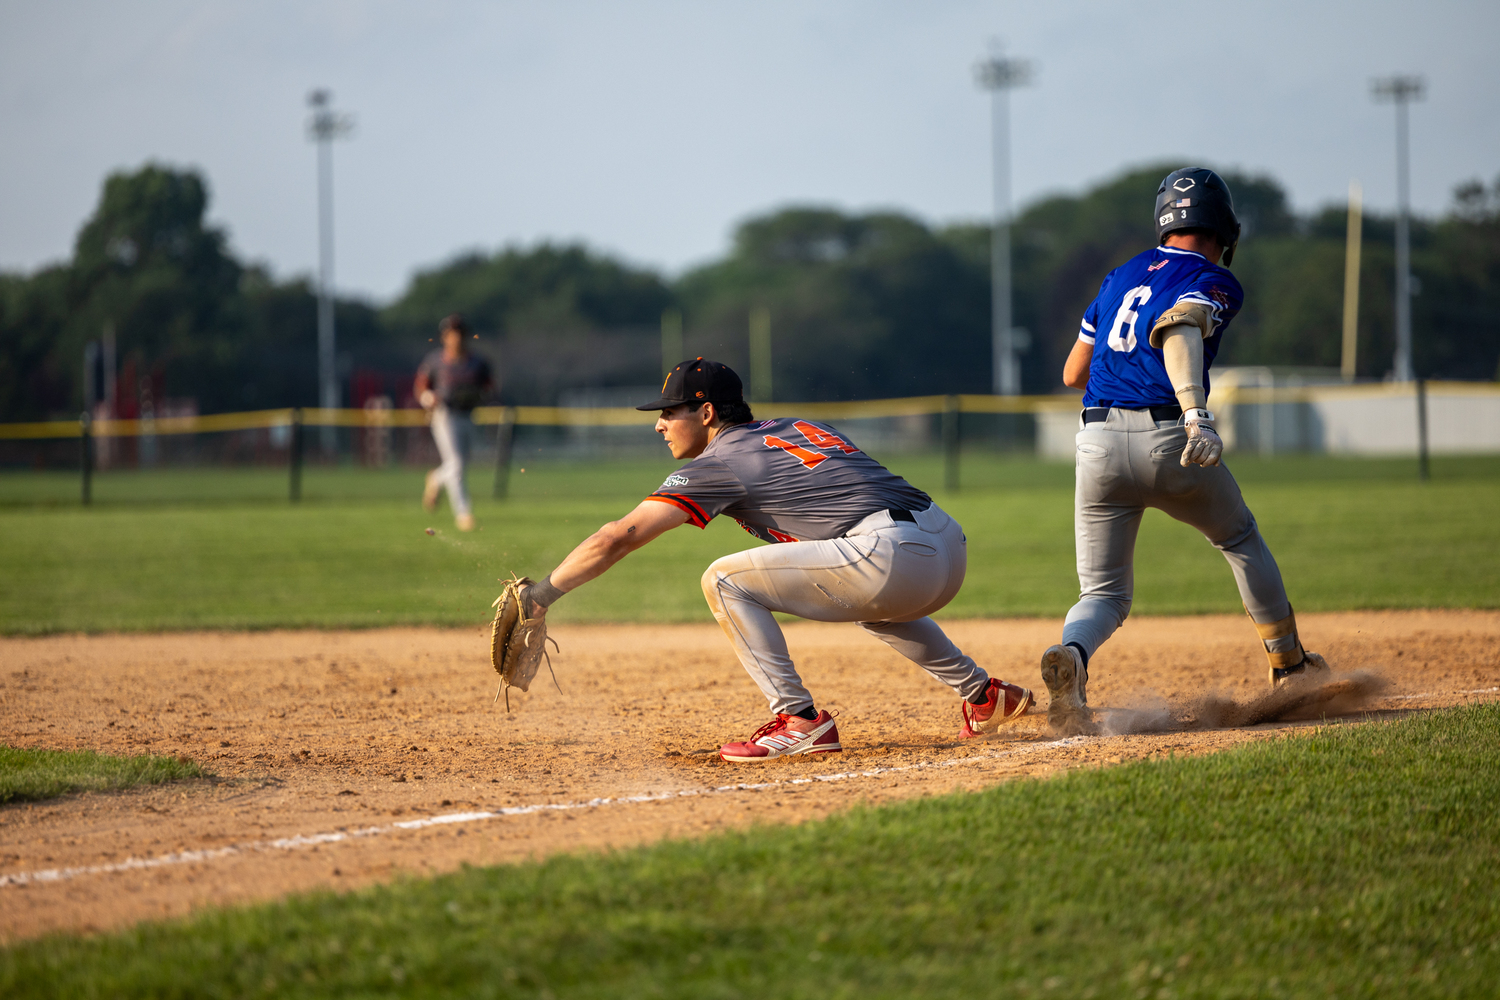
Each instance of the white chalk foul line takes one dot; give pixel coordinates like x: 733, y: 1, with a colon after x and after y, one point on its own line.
x: 338, y: 836
x: 1434, y: 694
x: 334, y: 837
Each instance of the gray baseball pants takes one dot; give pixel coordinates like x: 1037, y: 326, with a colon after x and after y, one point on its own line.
x: 453, y: 433
x: 885, y: 574
x: 1125, y: 464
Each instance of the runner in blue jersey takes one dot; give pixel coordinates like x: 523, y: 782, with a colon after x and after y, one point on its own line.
x: 1146, y: 438
x: 1127, y: 369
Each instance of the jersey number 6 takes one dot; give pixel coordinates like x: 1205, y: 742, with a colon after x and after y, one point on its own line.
x: 817, y: 437
x: 1126, y: 317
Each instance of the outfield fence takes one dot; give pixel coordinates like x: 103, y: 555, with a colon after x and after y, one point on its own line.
x: 1375, y: 419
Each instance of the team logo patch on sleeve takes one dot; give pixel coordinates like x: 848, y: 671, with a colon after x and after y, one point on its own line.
x: 675, y: 480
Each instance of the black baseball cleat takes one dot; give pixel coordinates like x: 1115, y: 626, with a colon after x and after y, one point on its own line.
x: 1067, y: 681
x: 1311, y: 664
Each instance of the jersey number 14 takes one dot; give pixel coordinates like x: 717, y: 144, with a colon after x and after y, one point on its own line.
x: 1122, y: 333
x: 817, y: 437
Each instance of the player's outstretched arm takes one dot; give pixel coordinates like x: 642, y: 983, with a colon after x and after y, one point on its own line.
x: 607, y: 546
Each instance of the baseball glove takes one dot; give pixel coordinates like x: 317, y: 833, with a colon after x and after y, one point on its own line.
x: 518, y: 643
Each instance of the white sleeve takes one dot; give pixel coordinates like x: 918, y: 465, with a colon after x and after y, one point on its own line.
x: 1182, y: 355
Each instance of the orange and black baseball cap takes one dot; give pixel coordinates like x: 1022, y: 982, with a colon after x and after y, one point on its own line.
x: 698, y: 381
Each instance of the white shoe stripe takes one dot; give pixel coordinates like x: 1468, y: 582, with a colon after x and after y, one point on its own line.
x: 784, y: 742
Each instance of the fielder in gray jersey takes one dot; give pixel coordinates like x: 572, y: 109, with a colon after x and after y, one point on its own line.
x: 450, y: 383
x: 1146, y: 440
x: 852, y: 542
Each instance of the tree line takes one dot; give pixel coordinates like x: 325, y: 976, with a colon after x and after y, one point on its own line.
x: 862, y: 305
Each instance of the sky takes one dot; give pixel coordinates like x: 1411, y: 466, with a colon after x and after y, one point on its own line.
x: 649, y: 128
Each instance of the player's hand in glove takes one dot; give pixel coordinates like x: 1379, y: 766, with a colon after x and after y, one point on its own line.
x: 518, y: 637
x: 1204, y: 446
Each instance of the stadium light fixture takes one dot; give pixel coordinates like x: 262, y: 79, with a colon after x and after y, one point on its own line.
x: 323, y: 127
x: 1401, y: 91
x: 999, y: 76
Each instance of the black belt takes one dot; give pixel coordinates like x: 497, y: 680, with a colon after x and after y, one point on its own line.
x: 1098, y: 414
x: 897, y: 514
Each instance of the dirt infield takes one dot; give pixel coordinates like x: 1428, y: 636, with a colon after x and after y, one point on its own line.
x: 344, y: 758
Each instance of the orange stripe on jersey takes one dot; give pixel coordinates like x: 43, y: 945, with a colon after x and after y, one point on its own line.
x: 693, y: 504
x: 696, y: 517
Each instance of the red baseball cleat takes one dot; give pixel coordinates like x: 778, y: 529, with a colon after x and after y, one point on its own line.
x: 786, y: 735
x: 1005, y: 702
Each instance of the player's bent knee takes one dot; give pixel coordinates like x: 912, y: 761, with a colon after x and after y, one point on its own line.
x: 722, y: 567
x: 715, y: 579
x: 710, y: 583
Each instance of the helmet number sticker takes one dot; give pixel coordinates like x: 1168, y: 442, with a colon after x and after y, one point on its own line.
x: 1122, y: 333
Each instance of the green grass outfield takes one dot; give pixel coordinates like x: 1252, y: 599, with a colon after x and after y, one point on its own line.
x: 30, y: 774
x: 223, y: 549
x: 1357, y: 861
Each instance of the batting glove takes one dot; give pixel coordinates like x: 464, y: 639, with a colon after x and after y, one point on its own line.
x: 1204, y: 446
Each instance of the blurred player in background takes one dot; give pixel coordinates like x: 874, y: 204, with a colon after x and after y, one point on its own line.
x: 1147, y: 440
x: 450, y: 382
x: 852, y: 543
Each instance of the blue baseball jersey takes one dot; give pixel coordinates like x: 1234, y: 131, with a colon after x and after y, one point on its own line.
x: 1125, y: 370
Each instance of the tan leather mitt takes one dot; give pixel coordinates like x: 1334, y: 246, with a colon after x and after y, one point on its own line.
x: 518, y: 643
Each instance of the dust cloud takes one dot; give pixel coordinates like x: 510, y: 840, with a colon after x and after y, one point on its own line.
x: 1311, y: 698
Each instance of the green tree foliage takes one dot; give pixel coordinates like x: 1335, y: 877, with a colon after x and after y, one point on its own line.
x: 551, y: 318
x: 891, y: 307
x: 148, y: 264
x: 33, y: 382
x: 541, y: 292
x: 861, y: 305
x: 1457, y: 316
x: 145, y: 263
x: 1292, y: 270
x: 189, y: 319
x: 279, y: 363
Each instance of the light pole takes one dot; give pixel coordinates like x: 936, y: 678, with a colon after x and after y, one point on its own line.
x: 323, y: 127
x: 1402, y: 90
x: 998, y: 75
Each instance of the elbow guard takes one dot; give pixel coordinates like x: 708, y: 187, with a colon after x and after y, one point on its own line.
x: 1183, y: 314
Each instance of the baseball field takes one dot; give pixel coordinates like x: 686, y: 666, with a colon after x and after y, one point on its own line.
x: 301, y: 786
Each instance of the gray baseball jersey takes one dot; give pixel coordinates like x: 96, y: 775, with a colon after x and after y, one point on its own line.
x: 787, y: 480
x: 460, y: 383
